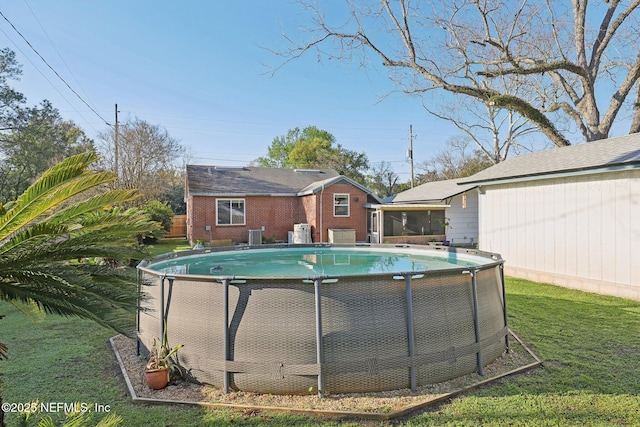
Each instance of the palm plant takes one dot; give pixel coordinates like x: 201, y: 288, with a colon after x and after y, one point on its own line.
x: 51, y: 234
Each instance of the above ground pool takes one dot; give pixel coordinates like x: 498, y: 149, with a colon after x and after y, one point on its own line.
x: 300, y: 319
x: 315, y: 261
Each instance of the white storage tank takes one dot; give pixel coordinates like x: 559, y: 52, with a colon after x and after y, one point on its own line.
x: 301, y: 233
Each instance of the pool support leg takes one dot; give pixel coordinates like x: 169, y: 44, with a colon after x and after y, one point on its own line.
x: 504, y: 305
x: 138, y: 303
x: 476, y: 320
x: 225, y: 372
x: 171, y: 279
x: 319, y: 347
x: 410, y: 332
x: 162, y: 306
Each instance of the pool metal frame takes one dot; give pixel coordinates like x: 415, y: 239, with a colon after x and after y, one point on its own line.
x: 150, y: 325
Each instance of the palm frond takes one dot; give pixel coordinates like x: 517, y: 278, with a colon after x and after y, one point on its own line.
x: 50, y: 191
x: 55, y: 295
x: 48, y: 230
x: 34, y: 236
x: 99, y: 201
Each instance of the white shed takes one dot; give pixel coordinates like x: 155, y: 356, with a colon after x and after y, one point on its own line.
x: 568, y: 216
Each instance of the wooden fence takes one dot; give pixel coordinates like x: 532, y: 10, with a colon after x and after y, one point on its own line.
x: 178, y: 228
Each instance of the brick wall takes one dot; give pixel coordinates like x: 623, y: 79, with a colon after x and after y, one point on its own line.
x: 310, y: 208
x: 357, y: 219
x: 278, y: 215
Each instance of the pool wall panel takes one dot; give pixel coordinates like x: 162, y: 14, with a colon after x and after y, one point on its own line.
x: 272, y: 329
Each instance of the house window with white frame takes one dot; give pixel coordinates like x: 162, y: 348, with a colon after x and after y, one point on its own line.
x: 341, y: 205
x: 230, y: 212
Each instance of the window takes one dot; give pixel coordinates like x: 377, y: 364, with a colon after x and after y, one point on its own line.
x: 412, y: 223
x: 340, y: 205
x: 230, y: 212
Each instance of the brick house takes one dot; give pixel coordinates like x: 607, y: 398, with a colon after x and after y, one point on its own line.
x: 225, y: 203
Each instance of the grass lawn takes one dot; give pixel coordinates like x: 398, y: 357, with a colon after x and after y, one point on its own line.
x: 590, y: 344
x: 168, y: 245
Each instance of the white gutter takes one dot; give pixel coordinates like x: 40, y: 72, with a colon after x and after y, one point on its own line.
x: 404, y: 206
x: 567, y: 174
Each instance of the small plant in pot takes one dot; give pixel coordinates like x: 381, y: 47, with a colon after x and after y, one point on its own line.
x: 161, y: 366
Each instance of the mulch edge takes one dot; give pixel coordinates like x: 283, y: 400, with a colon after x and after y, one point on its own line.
x: 329, y: 413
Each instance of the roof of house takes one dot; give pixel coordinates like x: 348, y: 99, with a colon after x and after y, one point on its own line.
x: 248, y: 180
x: 314, y: 187
x: 435, y: 191
x: 606, y: 154
x: 220, y: 180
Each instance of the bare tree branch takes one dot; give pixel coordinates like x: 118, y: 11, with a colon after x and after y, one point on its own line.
x: 561, y: 48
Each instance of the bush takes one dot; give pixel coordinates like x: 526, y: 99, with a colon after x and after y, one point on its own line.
x: 160, y: 212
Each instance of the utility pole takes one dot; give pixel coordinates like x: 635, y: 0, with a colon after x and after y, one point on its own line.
x: 115, y: 147
x: 411, y: 151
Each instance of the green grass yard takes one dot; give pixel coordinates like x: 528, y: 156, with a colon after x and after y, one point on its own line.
x: 168, y: 245
x: 590, y: 345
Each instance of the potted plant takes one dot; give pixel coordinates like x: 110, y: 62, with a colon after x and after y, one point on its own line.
x: 161, y: 366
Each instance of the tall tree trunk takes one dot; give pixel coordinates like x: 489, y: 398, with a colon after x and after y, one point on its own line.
x: 635, y: 123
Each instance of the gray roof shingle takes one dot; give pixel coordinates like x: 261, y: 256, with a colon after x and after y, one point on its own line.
x: 435, y: 191
x: 612, y: 152
x: 216, y: 180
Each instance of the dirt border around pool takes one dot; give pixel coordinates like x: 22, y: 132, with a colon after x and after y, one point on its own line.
x: 370, y: 405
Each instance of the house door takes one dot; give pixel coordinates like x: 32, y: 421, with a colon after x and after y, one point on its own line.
x: 373, y: 227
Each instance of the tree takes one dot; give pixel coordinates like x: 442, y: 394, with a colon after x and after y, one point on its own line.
x: 48, y: 232
x: 314, y: 148
x: 38, y: 139
x: 496, y: 132
x: 383, y: 181
x: 576, y: 58
x: 148, y: 157
x: 10, y: 100
x: 31, y: 139
x: 453, y: 162
x: 173, y: 193
x: 279, y: 150
x: 160, y: 212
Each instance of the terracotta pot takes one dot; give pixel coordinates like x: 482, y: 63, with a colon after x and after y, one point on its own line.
x: 157, y: 378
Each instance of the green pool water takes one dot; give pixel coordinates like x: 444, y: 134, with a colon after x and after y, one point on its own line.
x: 314, y: 261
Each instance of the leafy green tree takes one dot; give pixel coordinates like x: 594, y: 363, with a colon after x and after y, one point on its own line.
x: 50, y: 235
x: 173, y: 192
x: 161, y: 213
x: 10, y: 100
x: 279, y: 150
x: 314, y: 148
x: 39, y: 138
x: 174, y: 197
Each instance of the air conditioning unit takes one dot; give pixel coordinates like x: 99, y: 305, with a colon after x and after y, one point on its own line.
x: 342, y: 236
x: 255, y: 237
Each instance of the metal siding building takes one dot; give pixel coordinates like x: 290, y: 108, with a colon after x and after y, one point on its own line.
x: 568, y: 216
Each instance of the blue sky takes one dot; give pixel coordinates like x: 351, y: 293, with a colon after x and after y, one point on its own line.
x: 197, y: 68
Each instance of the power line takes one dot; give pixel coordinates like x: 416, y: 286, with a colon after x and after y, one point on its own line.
x: 55, y: 48
x: 52, y: 69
